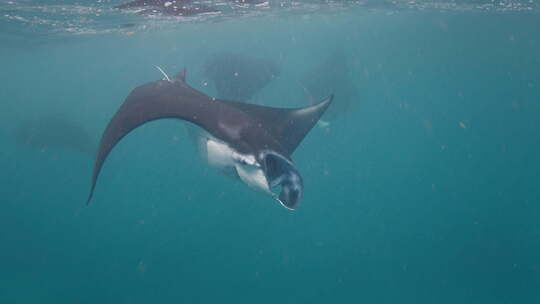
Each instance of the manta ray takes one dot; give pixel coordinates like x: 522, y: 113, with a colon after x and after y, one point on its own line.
x: 54, y: 131
x: 253, y: 142
x: 331, y: 76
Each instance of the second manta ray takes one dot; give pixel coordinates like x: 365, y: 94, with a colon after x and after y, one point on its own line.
x: 252, y: 141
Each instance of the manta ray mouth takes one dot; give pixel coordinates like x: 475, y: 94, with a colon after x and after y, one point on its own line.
x: 282, y: 173
x: 272, y: 174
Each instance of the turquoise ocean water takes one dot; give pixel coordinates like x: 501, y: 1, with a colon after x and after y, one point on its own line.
x: 425, y: 189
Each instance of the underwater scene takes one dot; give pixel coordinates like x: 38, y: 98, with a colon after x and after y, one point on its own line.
x: 280, y: 151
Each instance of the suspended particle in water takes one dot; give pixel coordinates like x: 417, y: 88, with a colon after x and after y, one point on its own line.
x: 141, y: 267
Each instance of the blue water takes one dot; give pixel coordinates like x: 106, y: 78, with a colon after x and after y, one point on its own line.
x: 424, y: 191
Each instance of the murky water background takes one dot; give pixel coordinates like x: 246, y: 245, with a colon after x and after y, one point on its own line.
x: 424, y: 189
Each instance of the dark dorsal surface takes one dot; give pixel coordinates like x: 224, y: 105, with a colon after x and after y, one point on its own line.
x: 247, y: 128
x: 239, y: 77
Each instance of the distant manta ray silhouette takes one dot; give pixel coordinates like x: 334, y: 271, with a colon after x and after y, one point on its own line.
x: 255, y: 142
x: 54, y: 131
x: 237, y: 76
x: 331, y: 76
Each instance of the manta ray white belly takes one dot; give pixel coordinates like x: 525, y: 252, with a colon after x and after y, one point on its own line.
x: 219, y: 155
